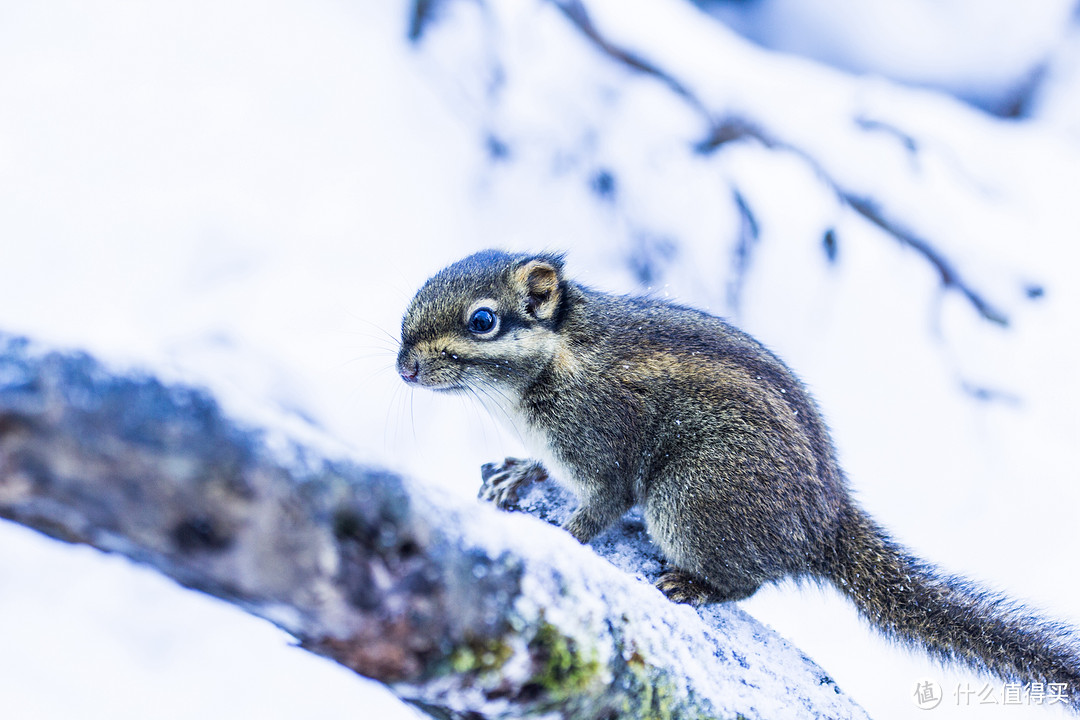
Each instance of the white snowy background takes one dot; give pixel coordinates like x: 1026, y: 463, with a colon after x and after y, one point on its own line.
x: 245, y: 195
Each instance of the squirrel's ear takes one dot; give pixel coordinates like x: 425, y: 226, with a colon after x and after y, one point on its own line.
x: 539, y: 282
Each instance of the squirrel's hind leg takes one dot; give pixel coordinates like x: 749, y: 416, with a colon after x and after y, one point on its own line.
x: 681, y: 586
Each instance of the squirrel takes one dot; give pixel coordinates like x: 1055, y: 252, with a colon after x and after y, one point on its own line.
x: 640, y: 401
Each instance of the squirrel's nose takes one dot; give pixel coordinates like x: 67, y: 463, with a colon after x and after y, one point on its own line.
x: 409, y: 370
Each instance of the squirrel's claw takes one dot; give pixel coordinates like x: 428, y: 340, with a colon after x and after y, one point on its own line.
x: 502, y: 482
x: 682, y: 587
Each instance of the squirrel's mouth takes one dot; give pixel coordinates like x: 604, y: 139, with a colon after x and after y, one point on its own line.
x: 422, y: 368
x: 428, y: 383
x: 428, y: 380
x: 452, y: 389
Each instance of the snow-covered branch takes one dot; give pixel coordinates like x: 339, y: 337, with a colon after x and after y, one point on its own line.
x: 738, y: 106
x: 459, y: 609
x: 886, y: 154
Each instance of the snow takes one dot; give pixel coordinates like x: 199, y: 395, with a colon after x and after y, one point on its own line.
x: 87, y: 635
x: 728, y: 658
x: 1057, y: 101
x: 981, y: 50
x: 246, y: 195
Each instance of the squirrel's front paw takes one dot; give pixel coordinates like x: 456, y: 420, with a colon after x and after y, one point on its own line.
x: 502, y: 482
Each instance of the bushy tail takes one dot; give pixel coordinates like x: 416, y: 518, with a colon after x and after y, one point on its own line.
x: 949, y: 616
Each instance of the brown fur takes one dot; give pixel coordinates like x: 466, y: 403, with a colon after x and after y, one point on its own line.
x: 641, y: 401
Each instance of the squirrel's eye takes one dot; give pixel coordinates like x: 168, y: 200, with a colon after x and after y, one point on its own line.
x: 482, y: 321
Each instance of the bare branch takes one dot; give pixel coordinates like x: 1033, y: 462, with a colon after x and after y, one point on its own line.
x: 577, y: 13
x: 946, y: 270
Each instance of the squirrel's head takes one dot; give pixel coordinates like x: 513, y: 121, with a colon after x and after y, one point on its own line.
x: 488, y: 322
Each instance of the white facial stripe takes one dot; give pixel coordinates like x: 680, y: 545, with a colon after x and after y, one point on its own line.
x: 460, y: 353
x: 489, y: 303
x: 446, y: 346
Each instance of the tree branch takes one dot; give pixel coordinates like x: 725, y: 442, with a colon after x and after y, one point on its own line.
x: 440, y: 601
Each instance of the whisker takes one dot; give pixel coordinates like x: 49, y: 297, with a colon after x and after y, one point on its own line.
x: 358, y: 358
x: 482, y: 418
x: 382, y: 333
x: 373, y: 373
x: 394, y: 408
x: 488, y: 388
x: 412, y: 415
